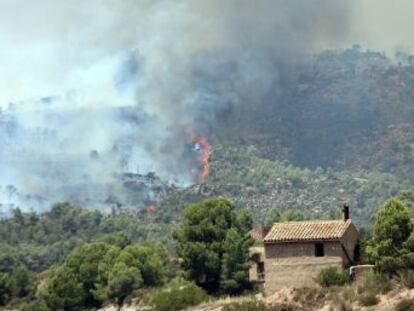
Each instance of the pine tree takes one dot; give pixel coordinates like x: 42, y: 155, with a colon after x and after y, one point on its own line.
x: 392, y: 230
x: 203, y: 248
x: 235, y: 262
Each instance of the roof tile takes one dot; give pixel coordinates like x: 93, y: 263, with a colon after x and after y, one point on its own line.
x: 295, y: 231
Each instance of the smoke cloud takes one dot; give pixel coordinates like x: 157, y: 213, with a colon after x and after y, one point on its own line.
x: 93, y: 89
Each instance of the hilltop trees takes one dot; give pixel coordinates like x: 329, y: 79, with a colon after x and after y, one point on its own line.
x: 39, y: 241
x: 4, y: 289
x: 100, y: 272
x: 392, y: 244
x: 214, y: 245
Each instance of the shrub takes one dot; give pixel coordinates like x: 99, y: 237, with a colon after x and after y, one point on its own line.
x: 332, y: 277
x: 405, y: 305
x: 248, y: 305
x: 36, y: 305
x: 375, y: 282
x: 368, y: 298
x: 255, y: 305
x: 406, y: 278
x: 178, y: 297
x: 348, y: 293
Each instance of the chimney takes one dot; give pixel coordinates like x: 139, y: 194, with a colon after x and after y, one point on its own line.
x: 345, y: 211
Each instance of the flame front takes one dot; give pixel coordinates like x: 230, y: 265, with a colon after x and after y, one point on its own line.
x: 205, y: 152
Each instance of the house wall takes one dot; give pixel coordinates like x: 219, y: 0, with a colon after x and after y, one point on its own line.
x: 286, y: 250
x: 349, y: 241
x: 295, y: 272
x: 295, y: 264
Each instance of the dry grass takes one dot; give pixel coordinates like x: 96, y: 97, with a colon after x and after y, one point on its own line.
x: 406, y: 278
x: 405, y: 305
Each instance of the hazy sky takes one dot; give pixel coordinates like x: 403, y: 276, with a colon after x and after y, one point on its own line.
x: 383, y: 24
x: 47, y: 46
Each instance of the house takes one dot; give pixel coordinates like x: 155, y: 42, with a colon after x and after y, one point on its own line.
x: 293, y: 253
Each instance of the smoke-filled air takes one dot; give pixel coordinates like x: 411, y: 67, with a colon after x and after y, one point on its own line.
x: 98, y: 95
x: 169, y: 155
x: 96, y: 92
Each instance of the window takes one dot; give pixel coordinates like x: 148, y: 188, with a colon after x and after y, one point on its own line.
x: 319, y: 250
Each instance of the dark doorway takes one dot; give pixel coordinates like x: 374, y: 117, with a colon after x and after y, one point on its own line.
x: 319, y: 250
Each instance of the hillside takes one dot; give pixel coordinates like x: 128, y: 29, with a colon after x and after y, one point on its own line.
x: 262, y: 184
x: 349, y: 110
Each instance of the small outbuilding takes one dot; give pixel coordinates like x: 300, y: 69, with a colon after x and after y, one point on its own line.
x: 293, y: 253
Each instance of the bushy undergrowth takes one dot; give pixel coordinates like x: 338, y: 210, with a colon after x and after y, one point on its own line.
x: 248, y: 305
x: 255, y: 305
x: 376, y: 283
x: 373, y: 285
x: 331, y: 276
x: 406, y: 278
x: 178, y: 297
x: 368, y: 298
x: 405, y: 305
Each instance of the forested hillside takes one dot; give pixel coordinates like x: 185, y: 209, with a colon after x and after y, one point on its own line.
x: 38, y: 241
x: 340, y: 130
x: 263, y: 185
x: 350, y: 110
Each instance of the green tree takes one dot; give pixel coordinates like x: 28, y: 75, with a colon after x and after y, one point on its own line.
x: 151, y: 261
x: 18, y: 217
x: 85, y: 262
x: 22, y: 282
x: 123, y: 280
x: 4, y: 289
x: 201, y: 241
x: 63, y: 291
x: 272, y: 216
x: 119, y: 239
x: 407, y: 197
x: 98, y: 272
x: 391, y: 233
x: 292, y: 215
x: 235, y: 262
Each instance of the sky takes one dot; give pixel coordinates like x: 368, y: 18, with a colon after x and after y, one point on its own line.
x: 49, y: 46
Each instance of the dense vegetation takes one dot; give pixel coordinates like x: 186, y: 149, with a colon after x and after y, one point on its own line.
x: 105, y: 264
x: 111, y: 265
x: 262, y: 185
x: 340, y: 131
x: 392, y: 244
x: 331, y: 276
x: 38, y: 241
x: 348, y: 109
x: 214, y: 245
x: 100, y: 272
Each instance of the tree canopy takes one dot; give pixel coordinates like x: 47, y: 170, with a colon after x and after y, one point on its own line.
x: 392, y: 244
x: 213, y: 243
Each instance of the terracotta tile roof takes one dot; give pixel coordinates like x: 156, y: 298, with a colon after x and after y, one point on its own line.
x: 307, y: 231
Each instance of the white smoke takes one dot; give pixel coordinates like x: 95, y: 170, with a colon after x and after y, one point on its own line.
x: 91, y: 89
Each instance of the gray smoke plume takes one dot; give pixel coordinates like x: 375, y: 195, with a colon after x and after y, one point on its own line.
x: 93, y: 89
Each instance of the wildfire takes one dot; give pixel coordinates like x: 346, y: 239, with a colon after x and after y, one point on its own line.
x: 205, y: 152
x: 151, y: 208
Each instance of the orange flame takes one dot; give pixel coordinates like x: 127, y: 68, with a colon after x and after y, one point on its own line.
x: 151, y: 208
x: 206, y: 151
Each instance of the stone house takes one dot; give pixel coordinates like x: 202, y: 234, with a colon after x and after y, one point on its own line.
x: 292, y: 253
